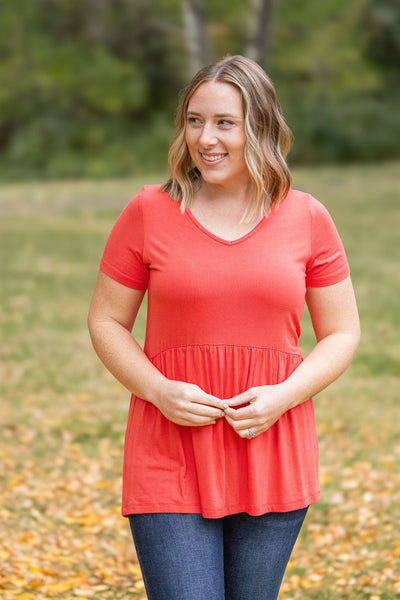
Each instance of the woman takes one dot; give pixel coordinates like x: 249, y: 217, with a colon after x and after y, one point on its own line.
x: 221, y: 455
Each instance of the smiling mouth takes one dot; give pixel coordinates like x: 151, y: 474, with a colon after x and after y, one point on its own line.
x: 212, y: 157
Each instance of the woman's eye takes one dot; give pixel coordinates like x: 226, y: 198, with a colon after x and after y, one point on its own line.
x: 193, y: 121
x: 225, y: 123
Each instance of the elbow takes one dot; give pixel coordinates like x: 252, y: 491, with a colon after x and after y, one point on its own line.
x: 93, y: 325
x: 357, y: 336
x: 357, y: 339
x: 356, y: 333
x: 91, y: 321
x: 353, y: 339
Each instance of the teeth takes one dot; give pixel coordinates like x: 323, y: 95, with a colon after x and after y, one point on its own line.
x: 213, y: 157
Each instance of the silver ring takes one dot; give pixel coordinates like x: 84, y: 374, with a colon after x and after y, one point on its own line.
x: 251, y: 433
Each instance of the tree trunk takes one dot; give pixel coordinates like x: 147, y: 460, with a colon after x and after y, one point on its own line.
x: 259, y: 38
x: 195, y: 34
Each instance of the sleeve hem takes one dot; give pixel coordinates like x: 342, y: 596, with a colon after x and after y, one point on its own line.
x: 330, y: 280
x: 121, y: 278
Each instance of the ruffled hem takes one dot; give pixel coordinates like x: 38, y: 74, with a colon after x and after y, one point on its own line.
x: 211, y: 470
x: 254, y: 511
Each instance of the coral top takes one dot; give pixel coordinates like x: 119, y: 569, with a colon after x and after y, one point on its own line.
x: 224, y: 315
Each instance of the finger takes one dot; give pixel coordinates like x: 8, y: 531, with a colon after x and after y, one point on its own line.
x: 188, y: 423
x: 240, y: 425
x: 243, y: 398
x: 239, y: 414
x: 209, y: 400
x: 202, y: 410
x: 197, y: 421
x: 248, y: 433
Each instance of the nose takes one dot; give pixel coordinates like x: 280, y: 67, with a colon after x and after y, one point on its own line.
x: 207, y: 136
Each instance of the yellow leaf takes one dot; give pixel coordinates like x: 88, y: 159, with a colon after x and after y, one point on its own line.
x: 14, y: 482
x: 135, y: 569
x: 63, y: 586
x: 83, y: 594
x: 19, y: 582
x: 26, y: 538
x: 325, y: 478
x: 105, y: 484
x: 104, y: 574
x: 35, y: 569
x: 139, y: 586
x: 65, y: 559
x: 36, y: 583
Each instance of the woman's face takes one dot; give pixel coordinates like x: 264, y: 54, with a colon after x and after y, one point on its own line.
x: 215, y: 135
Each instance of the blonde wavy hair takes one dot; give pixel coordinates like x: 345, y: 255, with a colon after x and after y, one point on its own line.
x: 268, y: 138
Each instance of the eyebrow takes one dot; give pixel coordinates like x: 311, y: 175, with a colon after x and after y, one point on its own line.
x: 219, y: 115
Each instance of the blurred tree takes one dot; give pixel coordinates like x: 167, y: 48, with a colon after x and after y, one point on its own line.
x: 195, y: 34
x: 78, y: 80
x: 201, y: 43
x: 88, y: 87
x: 382, y: 23
x: 259, y: 35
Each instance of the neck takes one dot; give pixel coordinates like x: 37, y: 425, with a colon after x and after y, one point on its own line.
x: 220, y: 209
x: 236, y: 199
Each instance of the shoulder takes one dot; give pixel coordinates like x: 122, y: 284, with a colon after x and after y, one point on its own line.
x: 304, y: 201
x: 151, y: 199
x: 153, y: 192
x: 152, y: 209
x: 302, y: 206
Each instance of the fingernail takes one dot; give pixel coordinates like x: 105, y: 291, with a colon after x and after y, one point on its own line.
x: 226, y: 406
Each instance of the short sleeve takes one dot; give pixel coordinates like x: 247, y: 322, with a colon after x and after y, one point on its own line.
x: 123, y: 254
x: 328, y: 263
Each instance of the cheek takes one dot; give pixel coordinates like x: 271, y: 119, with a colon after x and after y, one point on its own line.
x: 238, y: 146
x: 189, y: 137
x: 190, y: 143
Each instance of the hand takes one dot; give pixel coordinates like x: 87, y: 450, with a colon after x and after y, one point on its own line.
x: 264, y: 405
x: 187, y: 404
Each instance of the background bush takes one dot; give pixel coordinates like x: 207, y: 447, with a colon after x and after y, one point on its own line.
x: 88, y: 88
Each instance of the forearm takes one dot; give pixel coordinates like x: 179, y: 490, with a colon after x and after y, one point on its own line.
x: 325, y: 363
x: 112, y: 313
x: 180, y: 402
x: 124, y: 358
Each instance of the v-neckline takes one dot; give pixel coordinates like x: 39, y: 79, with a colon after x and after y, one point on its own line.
x: 219, y: 239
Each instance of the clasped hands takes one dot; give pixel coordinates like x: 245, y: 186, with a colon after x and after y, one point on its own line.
x: 259, y: 407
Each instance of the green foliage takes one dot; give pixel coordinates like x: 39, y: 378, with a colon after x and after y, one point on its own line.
x: 76, y: 95
x: 328, y: 128
x: 88, y: 88
x: 318, y: 47
x: 335, y: 98
x: 382, y: 23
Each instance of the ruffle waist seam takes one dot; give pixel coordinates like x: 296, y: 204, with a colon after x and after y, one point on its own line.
x: 240, y: 346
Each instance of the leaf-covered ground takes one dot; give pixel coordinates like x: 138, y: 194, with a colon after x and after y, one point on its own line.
x: 63, y: 417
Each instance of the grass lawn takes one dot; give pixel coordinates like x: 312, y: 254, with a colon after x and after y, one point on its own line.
x: 63, y: 417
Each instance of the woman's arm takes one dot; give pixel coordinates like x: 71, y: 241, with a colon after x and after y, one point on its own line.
x: 112, y: 314
x: 336, y: 324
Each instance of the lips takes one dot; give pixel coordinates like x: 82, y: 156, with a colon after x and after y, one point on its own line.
x: 212, y: 158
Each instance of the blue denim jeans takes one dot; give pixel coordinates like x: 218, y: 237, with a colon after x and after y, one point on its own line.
x: 237, y: 557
